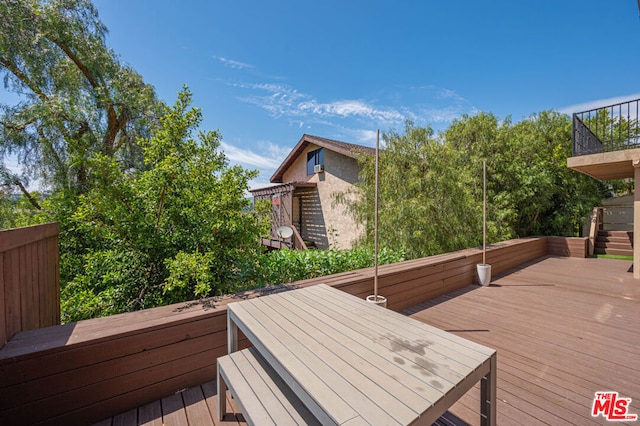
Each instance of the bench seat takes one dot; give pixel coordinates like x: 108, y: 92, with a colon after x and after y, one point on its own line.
x: 261, y: 394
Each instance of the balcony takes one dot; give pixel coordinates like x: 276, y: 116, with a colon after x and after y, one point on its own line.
x: 606, y: 140
x: 606, y: 129
x: 564, y: 327
x: 606, y: 145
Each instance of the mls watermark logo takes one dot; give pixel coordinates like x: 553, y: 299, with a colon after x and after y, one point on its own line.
x: 612, y: 407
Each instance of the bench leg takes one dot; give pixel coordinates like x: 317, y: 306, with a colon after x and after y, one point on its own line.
x: 488, y: 399
x: 232, y: 334
x: 222, y: 396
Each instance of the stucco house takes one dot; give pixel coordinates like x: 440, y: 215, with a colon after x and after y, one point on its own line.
x: 303, y: 195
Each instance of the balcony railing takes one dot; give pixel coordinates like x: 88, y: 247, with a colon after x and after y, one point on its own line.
x: 610, y: 128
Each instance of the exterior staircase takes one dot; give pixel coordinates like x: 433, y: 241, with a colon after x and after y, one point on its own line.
x: 614, y: 242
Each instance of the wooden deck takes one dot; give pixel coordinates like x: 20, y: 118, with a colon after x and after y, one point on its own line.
x: 564, y: 328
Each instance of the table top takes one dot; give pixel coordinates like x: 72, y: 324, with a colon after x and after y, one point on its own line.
x: 353, y: 362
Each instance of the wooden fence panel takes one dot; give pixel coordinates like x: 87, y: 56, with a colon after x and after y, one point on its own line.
x: 3, y: 329
x: 29, y: 279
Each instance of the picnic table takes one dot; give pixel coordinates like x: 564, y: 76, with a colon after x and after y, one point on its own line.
x: 346, y: 361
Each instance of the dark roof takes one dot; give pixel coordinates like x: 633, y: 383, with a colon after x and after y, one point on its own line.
x: 277, y: 189
x: 344, y: 148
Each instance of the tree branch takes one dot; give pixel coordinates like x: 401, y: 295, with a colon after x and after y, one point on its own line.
x: 71, y: 55
x: 26, y: 193
x: 114, y: 124
x: 49, y: 145
x: 160, y: 208
x: 24, y: 78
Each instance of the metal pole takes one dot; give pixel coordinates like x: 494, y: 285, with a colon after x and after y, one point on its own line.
x: 375, y: 223
x: 484, y: 212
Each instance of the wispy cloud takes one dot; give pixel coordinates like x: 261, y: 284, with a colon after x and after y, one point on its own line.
x: 598, y: 103
x: 279, y: 100
x: 450, y: 94
x: 364, y: 136
x: 282, y: 100
x: 440, y: 115
x: 234, y: 64
x: 266, y: 157
x: 389, y: 108
x: 265, y: 160
x: 351, y: 108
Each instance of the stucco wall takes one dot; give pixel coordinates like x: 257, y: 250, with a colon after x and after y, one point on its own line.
x: 330, y: 224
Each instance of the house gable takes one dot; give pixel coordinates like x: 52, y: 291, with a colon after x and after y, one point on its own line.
x: 309, y: 143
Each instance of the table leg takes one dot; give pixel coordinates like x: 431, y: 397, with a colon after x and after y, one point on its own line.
x: 232, y: 334
x: 222, y: 396
x: 488, y: 399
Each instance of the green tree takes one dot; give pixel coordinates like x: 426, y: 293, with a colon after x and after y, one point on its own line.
x: 612, y: 127
x: 530, y: 190
x: 180, y: 229
x: 431, y: 186
x: 7, y: 209
x: 76, y: 98
x: 484, y: 137
x: 428, y: 200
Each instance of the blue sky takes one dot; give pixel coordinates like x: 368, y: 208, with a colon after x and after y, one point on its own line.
x: 266, y: 72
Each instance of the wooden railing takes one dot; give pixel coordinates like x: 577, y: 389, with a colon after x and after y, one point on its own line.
x: 298, y: 242
x: 595, y: 225
x: 87, y: 371
x: 29, y: 281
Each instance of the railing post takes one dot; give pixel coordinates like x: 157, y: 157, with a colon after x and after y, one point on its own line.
x: 573, y: 135
x: 596, y: 225
x: 636, y: 222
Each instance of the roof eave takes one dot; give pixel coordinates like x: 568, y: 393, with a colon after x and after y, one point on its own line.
x: 352, y: 151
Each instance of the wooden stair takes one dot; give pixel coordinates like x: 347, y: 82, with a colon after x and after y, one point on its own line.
x: 614, y: 242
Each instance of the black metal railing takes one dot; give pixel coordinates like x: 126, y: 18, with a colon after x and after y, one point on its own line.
x: 610, y: 128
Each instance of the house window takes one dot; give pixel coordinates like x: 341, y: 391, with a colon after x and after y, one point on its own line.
x: 314, y: 158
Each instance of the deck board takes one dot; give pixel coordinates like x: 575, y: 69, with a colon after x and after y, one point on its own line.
x: 150, y: 414
x: 564, y: 328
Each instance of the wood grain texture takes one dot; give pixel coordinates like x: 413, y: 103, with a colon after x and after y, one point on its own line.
x: 307, y: 335
x: 30, y: 284
x: 14, y: 238
x: 563, y: 328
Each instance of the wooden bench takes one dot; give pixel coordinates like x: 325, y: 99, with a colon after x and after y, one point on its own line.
x: 263, y: 397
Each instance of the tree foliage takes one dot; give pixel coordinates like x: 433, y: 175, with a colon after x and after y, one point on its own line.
x: 76, y: 98
x: 431, y: 186
x: 426, y: 205
x: 285, y: 266
x: 530, y: 189
x: 178, y: 230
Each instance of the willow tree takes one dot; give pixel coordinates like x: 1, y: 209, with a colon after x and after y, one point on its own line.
x: 530, y: 189
x: 431, y: 186
x: 73, y: 95
x: 429, y: 203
